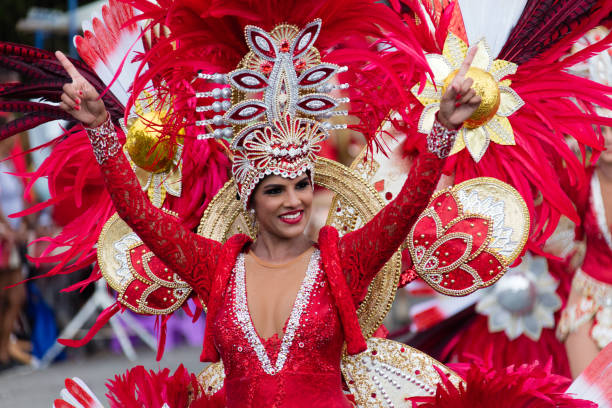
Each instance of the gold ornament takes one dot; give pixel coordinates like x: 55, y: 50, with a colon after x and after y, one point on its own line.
x: 490, y: 123
x: 389, y: 373
x: 120, y: 252
x: 147, y: 149
x: 485, y: 86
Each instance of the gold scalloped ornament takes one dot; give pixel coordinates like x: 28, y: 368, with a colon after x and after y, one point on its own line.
x: 490, y: 122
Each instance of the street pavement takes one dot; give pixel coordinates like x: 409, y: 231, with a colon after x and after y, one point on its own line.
x: 24, y: 387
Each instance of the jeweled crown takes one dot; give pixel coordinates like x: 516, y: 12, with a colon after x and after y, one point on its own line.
x: 278, y: 105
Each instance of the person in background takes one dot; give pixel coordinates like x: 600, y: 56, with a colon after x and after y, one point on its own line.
x: 586, y: 323
x: 13, y: 233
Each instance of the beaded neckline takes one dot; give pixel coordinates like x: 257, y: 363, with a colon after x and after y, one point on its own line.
x: 243, y: 316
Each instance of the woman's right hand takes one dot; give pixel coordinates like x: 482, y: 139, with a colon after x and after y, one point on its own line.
x: 80, y: 99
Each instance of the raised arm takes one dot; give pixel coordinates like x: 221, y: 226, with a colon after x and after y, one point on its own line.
x: 191, y: 256
x: 365, y: 251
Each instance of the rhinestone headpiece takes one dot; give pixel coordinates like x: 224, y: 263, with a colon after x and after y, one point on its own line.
x: 278, y: 105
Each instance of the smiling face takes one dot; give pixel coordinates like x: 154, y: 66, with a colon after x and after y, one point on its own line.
x: 283, y: 206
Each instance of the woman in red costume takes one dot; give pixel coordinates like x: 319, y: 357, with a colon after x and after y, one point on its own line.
x: 275, y: 98
x: 586, y: 323
x: 281, y: 344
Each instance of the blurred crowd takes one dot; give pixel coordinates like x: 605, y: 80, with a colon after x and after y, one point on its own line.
x: 31, y: 312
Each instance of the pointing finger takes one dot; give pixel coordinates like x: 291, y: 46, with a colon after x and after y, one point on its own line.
x: 70, y: 69
x: 467, y: 62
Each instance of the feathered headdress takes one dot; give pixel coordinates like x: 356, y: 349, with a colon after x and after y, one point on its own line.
x: 209, y: 38
x: 182, y: 185
x: 165, y: 69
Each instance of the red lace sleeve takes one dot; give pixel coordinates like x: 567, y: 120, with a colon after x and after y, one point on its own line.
x: 365, y: 251
x: 191, y: 256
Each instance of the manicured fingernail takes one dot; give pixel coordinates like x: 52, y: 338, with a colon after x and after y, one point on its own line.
x: 457, y: 105
x: 81, y: 93
x: 458, y: 97
x: 77, y: 107
x: 78, y: 101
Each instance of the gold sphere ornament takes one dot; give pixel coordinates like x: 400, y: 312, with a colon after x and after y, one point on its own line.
x: 486, y: 86
x: 490, y: 123
x: 145, y: 145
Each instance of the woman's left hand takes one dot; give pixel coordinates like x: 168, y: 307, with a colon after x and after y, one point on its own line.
x: 460, y: 100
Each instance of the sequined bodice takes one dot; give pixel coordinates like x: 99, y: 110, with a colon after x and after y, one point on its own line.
x: 302, y: 369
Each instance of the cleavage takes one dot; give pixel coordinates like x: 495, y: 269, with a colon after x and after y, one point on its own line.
x: 271, y: 294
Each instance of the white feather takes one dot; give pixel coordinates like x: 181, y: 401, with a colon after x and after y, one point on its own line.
x: 106, y: 76
x: 67, y: 396
x: 595, y: 382
x: 108, y: 65
x: 85, y: 388
x: 491, y: 19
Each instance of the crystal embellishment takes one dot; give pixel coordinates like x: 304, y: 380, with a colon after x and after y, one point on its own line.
x: 302, y: 300
x: 104, y: 140
x: 440, y: 140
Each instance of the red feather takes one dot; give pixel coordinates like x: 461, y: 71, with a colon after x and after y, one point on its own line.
x: 139, y: 388
x: 525, y: 386
x: 557, y: 105
x: 208, y: 36
x: 546, y: 23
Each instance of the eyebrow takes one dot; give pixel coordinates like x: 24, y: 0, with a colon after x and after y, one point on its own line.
x: 274, y: 186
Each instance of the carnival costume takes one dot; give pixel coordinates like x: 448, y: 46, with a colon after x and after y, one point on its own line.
x: 592, y: 280
x: 515, y: 320
x: 196, y: 79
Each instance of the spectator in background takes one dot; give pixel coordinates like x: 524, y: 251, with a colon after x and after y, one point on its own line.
x: 12, y: 235
x: 586, y: 322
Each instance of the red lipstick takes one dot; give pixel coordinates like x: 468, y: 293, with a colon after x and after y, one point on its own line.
x: 292, y: 217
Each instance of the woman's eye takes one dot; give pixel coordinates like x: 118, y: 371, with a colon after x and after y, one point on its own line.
x: 302, y: 185
x: 272, y: 191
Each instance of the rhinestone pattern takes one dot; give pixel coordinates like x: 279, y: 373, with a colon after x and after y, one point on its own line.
x: 440, y: 140
x: 241, y: 310
x: 104, y: 140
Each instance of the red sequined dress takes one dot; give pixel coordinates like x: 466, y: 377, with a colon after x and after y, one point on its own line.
x: 303, y: 368
x: 593, y: 280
